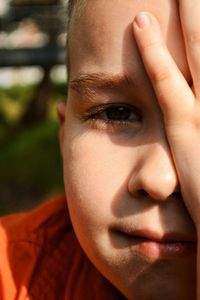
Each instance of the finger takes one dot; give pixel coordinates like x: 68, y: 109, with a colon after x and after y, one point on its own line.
x: 173, y: 93
x: 190, y: 20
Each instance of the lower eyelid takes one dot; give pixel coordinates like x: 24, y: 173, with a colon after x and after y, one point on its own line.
x: 111, y: 127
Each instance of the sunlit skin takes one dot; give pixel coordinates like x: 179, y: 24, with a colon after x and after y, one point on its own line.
x: 130, y: 140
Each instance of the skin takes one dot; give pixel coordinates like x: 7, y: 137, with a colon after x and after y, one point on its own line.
x: 143, y: 173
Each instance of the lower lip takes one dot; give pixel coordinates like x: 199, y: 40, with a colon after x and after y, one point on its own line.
x: 154, y: 249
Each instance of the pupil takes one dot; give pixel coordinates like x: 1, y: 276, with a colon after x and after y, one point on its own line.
x: 119, y: 113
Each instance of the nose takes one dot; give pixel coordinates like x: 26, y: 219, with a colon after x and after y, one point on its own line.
x: 155, y: 174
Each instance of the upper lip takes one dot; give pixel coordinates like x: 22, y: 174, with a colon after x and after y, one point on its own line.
x: 167, y: 237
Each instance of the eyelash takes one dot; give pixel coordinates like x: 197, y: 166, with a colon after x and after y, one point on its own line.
x: 98, y: 116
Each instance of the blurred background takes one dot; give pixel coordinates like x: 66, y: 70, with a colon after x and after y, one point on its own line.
x: 32, y: 82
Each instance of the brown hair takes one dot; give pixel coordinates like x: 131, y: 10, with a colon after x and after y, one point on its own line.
x: 70, y: 9
x: 71, y: 5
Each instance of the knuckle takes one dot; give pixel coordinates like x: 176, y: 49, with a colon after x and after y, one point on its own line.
x: 151, y: 44
x: 193, y: 38
x: 160, y: 74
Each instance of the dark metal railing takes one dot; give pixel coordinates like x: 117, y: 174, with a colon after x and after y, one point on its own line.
x: 45, y: 56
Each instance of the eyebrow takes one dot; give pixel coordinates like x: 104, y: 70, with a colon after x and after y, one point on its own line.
x: 87, y: 84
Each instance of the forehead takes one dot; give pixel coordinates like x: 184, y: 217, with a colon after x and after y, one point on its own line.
x: 102, y: 39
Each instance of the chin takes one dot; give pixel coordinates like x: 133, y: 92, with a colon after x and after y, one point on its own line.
x: 160, y: 280
x: 140, y: 278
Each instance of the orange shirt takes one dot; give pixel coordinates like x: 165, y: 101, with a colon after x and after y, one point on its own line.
x: 40, y: 258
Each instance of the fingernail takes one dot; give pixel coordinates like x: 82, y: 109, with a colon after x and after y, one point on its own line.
x: 142, y: 20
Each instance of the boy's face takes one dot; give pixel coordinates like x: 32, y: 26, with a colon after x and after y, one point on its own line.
x: 119, y: 175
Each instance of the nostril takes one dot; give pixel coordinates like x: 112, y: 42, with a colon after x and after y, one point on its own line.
x: 175, y: 195
x: 141, y: 194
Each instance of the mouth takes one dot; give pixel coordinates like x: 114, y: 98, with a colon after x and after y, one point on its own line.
x: 150, y: 244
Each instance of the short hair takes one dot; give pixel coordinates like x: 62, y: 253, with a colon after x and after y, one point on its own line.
x: 70, y: 9
x: 71, y: 5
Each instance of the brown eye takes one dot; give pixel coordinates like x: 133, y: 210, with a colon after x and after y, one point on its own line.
x: 119, y: 114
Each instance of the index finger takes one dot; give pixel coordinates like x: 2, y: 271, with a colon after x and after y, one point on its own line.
x: 173, y: 93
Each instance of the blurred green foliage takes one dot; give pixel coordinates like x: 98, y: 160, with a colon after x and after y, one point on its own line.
x: 30, y: 162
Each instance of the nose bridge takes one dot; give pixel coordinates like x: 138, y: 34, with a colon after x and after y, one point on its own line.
x: 155, y: 173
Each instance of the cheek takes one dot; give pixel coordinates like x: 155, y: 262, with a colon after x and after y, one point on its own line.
x: 95, y: 173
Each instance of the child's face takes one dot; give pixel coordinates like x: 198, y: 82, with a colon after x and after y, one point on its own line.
x: 119, y: 176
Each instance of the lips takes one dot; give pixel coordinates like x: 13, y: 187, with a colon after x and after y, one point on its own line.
x: 154, y: 245
x: 167, y: 237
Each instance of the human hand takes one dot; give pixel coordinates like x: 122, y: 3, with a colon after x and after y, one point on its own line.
x: 179, y: 102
